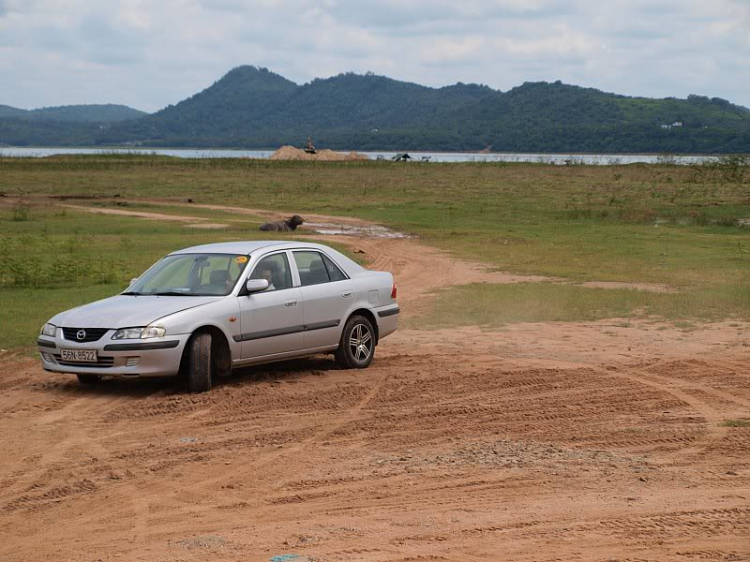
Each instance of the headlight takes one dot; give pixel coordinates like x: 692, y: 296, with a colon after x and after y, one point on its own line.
x: 153, y: 332
x: 139, y: 333
x: 49, y: 330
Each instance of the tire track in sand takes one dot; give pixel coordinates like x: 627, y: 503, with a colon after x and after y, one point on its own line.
x: 266, y: 474
x: 259, y: 469
x: 715, y: 431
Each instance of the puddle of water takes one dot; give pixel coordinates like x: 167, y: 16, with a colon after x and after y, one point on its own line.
x: 352, y: 230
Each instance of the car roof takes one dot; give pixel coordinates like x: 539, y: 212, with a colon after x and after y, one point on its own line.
x: 246, y: 247
x: 250, y: 246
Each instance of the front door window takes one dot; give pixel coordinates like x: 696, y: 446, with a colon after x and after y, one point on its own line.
x: 275, y: 269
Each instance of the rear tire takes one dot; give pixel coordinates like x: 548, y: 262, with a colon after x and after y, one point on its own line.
x: 200, y: 366
x: 89, y: 379
x: 357, y: 345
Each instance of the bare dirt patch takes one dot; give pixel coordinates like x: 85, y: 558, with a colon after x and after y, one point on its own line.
x: 148, y: 215
x: 324, y: 155
x: 542, y: 442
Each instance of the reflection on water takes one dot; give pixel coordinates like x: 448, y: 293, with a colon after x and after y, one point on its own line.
x: 558, y: 159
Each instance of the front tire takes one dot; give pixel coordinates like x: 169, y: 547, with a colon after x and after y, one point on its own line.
x: 357, y: 345
x: 89, y: 379
x: 200, y: 366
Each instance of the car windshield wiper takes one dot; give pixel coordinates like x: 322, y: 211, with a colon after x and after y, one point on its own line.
x: 131, y: 293
x: 171, y: 294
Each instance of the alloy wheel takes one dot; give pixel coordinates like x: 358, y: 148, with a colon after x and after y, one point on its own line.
x: 361, y: 343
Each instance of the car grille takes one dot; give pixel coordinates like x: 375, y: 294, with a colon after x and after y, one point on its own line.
x: 92, y: 334
x: 102, y: 363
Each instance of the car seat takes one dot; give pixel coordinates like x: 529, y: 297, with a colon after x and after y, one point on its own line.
x: 276, y: 276
x: 318, y: 273
x: 218, y: 277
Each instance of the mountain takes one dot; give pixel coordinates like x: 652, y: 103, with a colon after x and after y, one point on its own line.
x: 27, y: 132
x: 93, y: 113
x: 255, y: 108
x: 218, y: 116
x: 66, y: 125
x: 8, y: 111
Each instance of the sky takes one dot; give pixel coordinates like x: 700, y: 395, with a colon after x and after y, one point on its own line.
x: 149, y: 54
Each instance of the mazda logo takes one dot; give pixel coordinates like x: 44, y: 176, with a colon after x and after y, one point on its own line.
x: 81, y: 334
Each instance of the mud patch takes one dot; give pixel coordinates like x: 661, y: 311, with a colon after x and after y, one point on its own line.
x: 367, y: 231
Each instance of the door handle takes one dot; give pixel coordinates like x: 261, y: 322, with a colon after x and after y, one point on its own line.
x: 347, y: 294
x: 290, y: 303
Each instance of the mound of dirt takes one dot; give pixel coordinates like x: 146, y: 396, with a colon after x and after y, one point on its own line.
x: 325, y: 155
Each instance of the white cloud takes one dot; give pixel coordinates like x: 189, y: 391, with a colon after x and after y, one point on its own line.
x: 150, y: 54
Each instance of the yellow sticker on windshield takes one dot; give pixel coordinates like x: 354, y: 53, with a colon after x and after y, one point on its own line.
x: 239, y: 260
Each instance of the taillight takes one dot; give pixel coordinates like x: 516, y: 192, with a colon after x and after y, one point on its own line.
x: 394, y: 291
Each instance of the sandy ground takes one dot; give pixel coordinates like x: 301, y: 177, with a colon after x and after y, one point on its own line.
x: 324, y: 155
x: 597, y: 441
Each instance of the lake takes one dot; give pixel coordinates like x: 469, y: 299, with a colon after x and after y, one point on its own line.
x: 559, y: 159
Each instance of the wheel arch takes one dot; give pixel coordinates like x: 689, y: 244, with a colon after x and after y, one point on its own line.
x: 220, y: 349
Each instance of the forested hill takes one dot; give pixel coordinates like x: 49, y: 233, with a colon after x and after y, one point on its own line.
x: 255, y: 108
x: 94, y: 113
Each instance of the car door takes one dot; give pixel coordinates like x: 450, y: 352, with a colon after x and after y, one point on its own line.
x: 327, y: 294
x: 272, y: 320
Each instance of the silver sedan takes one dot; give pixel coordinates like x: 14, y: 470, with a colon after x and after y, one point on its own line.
x: 204, y: 310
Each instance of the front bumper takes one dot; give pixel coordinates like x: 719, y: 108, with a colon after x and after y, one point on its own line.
x: 153, y: 357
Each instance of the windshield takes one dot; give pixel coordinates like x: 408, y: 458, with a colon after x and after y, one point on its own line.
x: 191, y: 275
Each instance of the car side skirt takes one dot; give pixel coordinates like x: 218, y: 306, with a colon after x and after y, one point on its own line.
x: 283, y: 356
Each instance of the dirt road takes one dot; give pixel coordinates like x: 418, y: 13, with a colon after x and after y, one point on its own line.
x: 600, y: 441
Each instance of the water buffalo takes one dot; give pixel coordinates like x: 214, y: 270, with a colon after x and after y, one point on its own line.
x: 288, y: 225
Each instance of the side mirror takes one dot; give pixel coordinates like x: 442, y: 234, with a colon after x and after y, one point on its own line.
x: 133, y: 280
x: 256, y: 285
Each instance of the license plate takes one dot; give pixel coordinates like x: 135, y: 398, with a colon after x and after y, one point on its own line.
x: 80, y: 355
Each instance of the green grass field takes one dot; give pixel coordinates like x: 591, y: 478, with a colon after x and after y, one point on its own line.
x: 680, y: 226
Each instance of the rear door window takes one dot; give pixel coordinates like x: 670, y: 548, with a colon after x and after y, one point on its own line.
x: 334, y: 273
x: 312, y: 269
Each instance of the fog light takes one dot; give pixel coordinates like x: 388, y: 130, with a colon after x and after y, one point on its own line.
x: 47, y: 357
x: 132, y: 361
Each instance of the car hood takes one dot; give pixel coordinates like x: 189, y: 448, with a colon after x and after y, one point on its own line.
x: 125, y: 311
